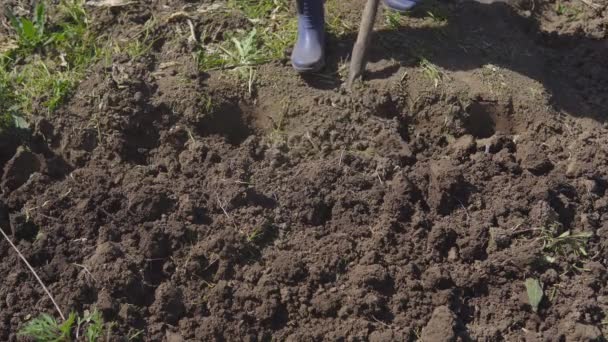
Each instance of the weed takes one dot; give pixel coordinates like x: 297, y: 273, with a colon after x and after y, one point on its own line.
x: 571, y: 12
x: 336, y: 25
x: 431, y: 71
x: 393, y: 20
x: 277, y: 134
x: 209, y: 59
x: 36, y: 83
x: 48, y: 62
x: 244, y: 55
x: 245, y: 50
x: 45, y: 328
x: 135, y: 335
x: 143, y: 43
x: 257, y: 11
x: 92, y: 324
x: 437, y: 16
x: 261, y: 235
x: 563, y: 245
x: 30, y: 32
x: 274, y: 30
x: 8, y: 101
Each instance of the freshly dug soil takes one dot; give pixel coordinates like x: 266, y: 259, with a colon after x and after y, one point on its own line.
x: 413, y: 208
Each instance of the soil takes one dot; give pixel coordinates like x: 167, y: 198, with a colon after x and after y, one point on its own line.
x: 180, y: 204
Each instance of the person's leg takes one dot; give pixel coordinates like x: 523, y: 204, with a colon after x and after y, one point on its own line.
x: 309, y: 52
x: 401, y: 5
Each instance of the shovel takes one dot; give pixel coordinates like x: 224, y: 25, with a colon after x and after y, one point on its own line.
x: 358, y: 59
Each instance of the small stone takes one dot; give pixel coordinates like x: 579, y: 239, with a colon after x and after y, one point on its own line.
x: 440, y: 327
x: 573, y: 170
x: 590, y: 185
x: 138, y: 96
x: 463, y: 146
x: 453, y: 254
x: 586, y: 332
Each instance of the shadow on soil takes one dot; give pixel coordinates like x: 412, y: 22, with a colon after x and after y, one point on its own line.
x: 572, y: 68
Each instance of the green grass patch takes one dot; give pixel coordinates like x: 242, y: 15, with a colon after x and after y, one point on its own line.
x: 335, y: 21
x: 431, y: 71
x: 88, y: 327
x: 273, y: 30
x: 50, y: 56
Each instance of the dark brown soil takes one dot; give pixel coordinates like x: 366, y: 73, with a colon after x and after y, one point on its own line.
x: 403, y: 211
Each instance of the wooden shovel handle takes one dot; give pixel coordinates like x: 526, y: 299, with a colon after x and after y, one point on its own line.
x: 358, y: 59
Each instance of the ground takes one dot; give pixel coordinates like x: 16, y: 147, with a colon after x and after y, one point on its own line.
x: 186, y: 201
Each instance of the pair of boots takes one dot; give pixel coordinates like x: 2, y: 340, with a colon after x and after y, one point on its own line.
x: 309, y: 52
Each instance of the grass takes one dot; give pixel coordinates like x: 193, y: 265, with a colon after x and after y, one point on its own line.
x: 277, y: 134
x: 562, y: 246
x: 273, y: 30
x: 243, y: 55
x: 46, y: 62
x: 571, y: 12
x: 143, y: 42
x: 30, y: 32
x: 393, y: 20
x: 431, y: 71
x: 88, y: 327
x: 335, y: 22
x: 260, y: 236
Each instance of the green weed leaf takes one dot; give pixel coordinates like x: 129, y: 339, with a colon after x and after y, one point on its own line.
x: 20, y: 122
x: 39, y: 18
x: 535, y: 293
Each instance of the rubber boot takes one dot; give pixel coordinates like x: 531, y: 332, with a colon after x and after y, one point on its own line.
x: 309, y: 52
x: 401, y: 5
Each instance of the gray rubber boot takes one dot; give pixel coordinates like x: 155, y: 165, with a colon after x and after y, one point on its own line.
x: 309, y: 52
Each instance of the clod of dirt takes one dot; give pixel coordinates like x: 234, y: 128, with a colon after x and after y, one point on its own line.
x: 533, y: 159
x: 390, y: 145
x: 373, y: 276
x: 105, y: 303
x: 23, y: 228
x: 154, y: 245
x: 318, y: 213
x: 380, y: 104
x: 447, y: 186
x: 472, y: 246
x: 441, y: 239
x: 290, y: 270
x: 573, y: 331
x: 499, y: 239
x: 326, y: 304
x: 387, y: 335
x: 543, y: 215
x: 398, y: 198
x: 462, y: 147
x: 19, y: 169
x: 436, y: 277
x: 149, y: 205
x: 522, y: 257
x: 5, y: 224
x: 495, y: 143
x: 173, y: 337
x: 441, y: 326
x: 168, y: 303
x: 106, y: 252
